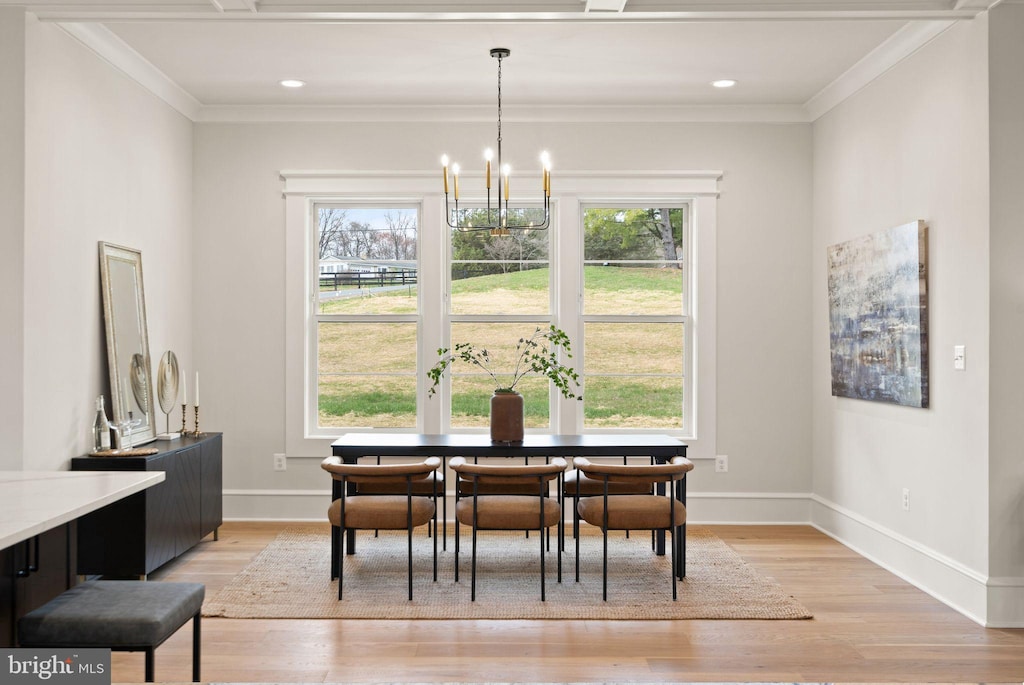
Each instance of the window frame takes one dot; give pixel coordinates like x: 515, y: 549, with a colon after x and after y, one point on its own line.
x: 301, y: 188
x: 540, y: 319
x: 687, y: 305
x: 313, y: 427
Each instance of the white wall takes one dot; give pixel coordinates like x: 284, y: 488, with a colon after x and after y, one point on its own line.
x: 1006, y: 400
x: 763, y: 297
x: 912, y: 145
x: 105, y: 160
x: 12, y: 226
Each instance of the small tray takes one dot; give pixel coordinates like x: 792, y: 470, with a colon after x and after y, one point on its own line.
x: 134, y: 452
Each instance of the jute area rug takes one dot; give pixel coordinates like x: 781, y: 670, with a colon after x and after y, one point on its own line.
x: 290, y: 579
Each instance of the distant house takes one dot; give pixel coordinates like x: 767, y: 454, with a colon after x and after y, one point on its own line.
x: 334, y: 265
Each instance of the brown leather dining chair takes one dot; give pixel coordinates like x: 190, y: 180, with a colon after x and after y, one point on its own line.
x: 649, y: 511
x: 531, y: 510
x: 389, y: 511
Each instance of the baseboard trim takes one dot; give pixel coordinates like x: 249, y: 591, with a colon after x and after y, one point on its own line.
x: 947, y: 580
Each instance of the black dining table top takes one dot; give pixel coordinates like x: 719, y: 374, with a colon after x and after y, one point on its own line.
x: 355, y: 445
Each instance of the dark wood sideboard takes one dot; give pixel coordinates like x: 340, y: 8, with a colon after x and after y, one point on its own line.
x: 137, y: 535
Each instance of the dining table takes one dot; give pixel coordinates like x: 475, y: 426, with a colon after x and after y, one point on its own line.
x: 351, y: 447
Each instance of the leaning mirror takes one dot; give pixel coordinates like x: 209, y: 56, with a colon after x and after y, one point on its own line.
x: 124, y: 312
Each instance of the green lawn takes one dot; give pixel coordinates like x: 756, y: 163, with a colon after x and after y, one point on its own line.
x: 350, y: 395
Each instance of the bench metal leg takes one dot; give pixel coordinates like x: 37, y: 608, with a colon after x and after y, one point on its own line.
x: 149, y: 664
x: 196, y: 633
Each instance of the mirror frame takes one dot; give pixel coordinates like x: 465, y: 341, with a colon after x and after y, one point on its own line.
x: 120, y: 303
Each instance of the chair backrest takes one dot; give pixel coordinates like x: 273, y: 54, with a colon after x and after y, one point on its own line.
x: 675, y: 469
x: 368, y: 473
x: 506, y: 474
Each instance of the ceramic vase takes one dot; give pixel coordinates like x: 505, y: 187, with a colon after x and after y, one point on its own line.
x: 506, y: 417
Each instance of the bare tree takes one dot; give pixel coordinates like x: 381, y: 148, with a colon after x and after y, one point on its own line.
x: 518, y: 245
x: 332, y: 229
x: 400, y: 230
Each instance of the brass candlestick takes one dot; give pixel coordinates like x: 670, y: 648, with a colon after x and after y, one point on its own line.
x: 183, y: 418
x: 197, y: 433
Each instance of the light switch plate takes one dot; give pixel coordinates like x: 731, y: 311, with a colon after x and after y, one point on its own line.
x: 959, y: 357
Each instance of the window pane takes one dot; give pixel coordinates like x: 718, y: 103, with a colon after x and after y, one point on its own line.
x: 367, y: 401
x: 500, y: 274
x: 633, y: 260
x: 633, y: 402
x: 367, y: 348
x: 634, y: 348
x: 472, y: 387
x: 633, y: 288
x: 366, y: 375
x: 367, y: 260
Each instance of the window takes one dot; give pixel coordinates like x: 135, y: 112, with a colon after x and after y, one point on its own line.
x: 366, y: 317
x: 634, y: 316
x: 500, y: 291
x: 376, y: 283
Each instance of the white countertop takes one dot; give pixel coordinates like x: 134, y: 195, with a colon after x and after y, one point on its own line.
x: 32, y: 502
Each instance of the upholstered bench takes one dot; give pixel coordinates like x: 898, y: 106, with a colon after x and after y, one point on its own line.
x: 122, y: 615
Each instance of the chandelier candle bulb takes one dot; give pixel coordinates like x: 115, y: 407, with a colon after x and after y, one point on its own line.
x: 488, y: 154
x: 444, y: 165
x: 507, y: 171
x: 455, y: 172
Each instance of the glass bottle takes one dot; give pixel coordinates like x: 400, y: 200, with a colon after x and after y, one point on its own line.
x: 100, y: 428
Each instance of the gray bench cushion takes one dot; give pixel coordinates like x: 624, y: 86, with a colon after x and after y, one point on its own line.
x: 112, y: 613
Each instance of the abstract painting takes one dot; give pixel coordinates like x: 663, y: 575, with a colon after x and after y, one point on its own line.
x: 878, y: 316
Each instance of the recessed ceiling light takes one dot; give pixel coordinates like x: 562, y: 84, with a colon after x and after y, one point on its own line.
x: 292, y: 83
x: 724, y: 83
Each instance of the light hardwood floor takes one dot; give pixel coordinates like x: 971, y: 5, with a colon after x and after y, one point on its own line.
x: 868, y: 626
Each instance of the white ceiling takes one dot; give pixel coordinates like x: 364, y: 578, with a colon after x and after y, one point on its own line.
x: 423, y: 53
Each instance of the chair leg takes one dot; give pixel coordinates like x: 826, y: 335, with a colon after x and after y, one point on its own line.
x: 576, y: 531
x: 456, y: 548
x: 473, y: 574
x: 335, y: 544
x: 196, y: 646
x: 341, y: 562
x: 150, y: 670
x: 410, y: 561
x: 604, y: 572
x: 560, y: 529
x: 542, y: 574
x: 675, y: 542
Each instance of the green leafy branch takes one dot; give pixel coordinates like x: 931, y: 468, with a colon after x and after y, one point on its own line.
x: 537, y: 354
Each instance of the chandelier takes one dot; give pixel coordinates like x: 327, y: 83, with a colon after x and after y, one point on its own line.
x: 500, y: 219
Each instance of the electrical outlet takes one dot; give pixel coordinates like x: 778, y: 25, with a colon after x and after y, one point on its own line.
x: 906, y: 499
x: 722, y: 463
x: 280, y: 462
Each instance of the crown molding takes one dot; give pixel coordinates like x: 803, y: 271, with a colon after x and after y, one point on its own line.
x: 482, y: 113
x: 241, y: 10
x: 905, y: 42
x: 124, y: 58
